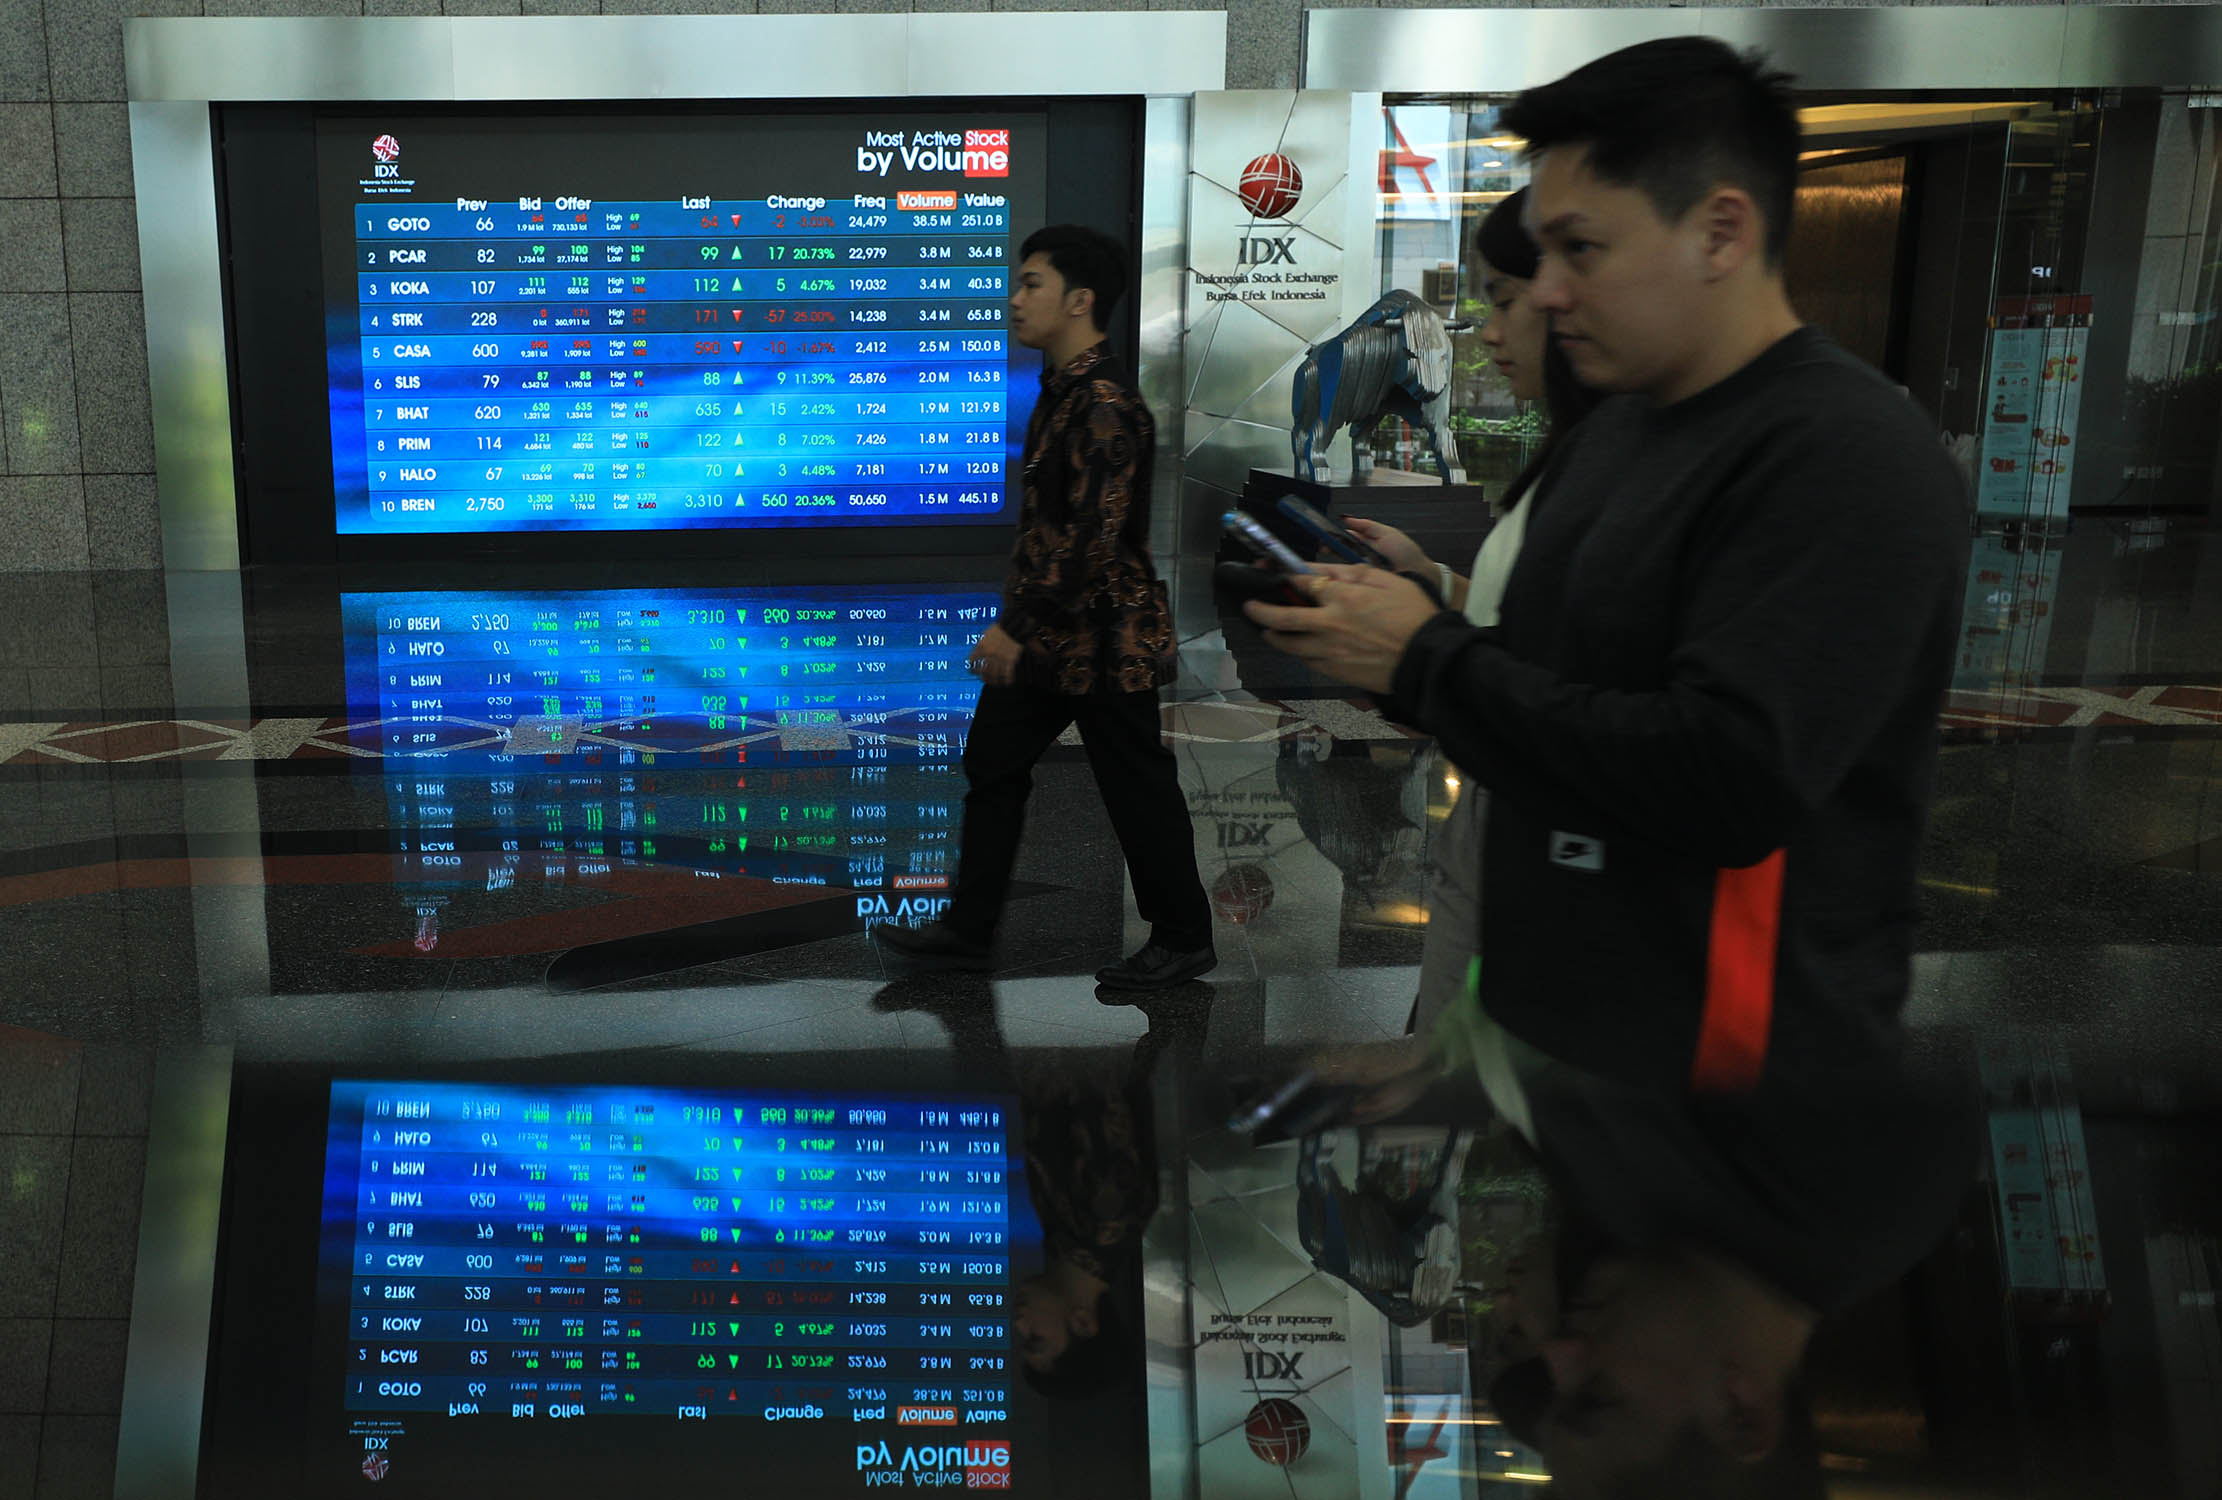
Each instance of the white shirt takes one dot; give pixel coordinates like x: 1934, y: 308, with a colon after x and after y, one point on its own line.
x: 1490, y: 1048
x: 1493, y: 563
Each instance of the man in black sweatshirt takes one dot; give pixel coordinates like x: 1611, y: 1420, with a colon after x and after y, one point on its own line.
x: 1708, y: 714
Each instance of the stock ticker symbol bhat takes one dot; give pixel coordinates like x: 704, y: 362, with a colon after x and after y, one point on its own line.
x: 1278, y: 1431
x: 385, y: 148
x: 1270, y: 186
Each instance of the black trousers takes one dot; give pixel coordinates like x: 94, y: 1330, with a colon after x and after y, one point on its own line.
x: 1134, y: 770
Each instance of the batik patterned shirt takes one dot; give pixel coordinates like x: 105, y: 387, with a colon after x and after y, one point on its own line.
x: 1082, y: 595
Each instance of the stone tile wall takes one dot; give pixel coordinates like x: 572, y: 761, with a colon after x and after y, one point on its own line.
x: 73, y: 1143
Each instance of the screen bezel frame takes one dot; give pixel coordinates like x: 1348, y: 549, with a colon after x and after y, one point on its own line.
x: 272, y: 534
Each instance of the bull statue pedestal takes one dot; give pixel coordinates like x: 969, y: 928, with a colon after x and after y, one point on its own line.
x: 1395, y: 360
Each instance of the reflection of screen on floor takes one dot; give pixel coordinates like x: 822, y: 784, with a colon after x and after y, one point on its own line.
x: 558, y: 1280
x: 525, y: 734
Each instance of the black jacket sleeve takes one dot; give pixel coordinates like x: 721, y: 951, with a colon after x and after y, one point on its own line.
x: 1818, y: 597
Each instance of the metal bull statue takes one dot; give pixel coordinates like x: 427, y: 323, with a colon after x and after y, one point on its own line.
x: 1394, y: 361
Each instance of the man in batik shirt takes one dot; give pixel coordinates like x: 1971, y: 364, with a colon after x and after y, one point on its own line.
x: 1085, y: 636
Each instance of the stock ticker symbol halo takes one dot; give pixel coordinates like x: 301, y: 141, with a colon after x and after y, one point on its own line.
x: 1278, y: 1431
x: 385, y: 148
x: 1270, y: 186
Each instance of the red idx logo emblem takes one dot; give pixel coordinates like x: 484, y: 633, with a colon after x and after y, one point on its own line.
x: 375, y: 1466
x: 385, y: 148
x: 987, y: 153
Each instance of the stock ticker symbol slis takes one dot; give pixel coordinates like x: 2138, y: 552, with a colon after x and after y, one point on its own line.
x: 1270, y: 186
x: 1393, y: 361
x: 1278, y: 1431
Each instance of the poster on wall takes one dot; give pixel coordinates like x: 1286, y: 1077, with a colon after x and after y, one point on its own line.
x: 2048, y: 1221
x: 1415, y: 175
x: 2006, y: 624
x: 1279, y: 246
x: 2040, y: 1169
x: 2030, y: 413
x: 1288, y: 1386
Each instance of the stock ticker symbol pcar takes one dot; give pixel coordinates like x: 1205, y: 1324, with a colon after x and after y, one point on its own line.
x: 1393, y: 361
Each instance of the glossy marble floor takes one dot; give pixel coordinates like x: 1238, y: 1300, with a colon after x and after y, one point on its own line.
x: 220, y: 837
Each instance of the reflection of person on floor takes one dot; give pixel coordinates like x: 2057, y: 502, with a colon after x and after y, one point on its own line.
x: 1091, y: 1166
x: 1393, y: 1236
x: 1700, y: 1247
x: 1670, y: 1373
x: 1366, y: 812
x: 1085, y: 637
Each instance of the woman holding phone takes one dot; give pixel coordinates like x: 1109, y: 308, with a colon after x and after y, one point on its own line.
x: 1518, y: 336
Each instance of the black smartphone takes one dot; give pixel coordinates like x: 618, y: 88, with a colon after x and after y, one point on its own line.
x: 1304, y: 1105
x: 1332, y: 533
x: 1276, y: 553
x: 1249, y: 581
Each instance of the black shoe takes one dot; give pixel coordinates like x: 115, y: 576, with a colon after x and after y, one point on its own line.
x: 1156, y: 967
x: 934, y: 946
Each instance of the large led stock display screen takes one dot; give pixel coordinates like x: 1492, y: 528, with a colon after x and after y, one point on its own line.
x: 657, y: 323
